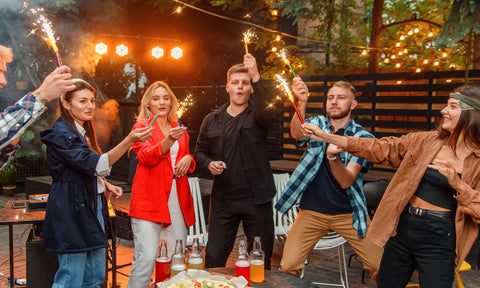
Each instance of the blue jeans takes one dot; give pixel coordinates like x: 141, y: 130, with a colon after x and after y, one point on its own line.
x: 423, y: 243
x: 83, y: 269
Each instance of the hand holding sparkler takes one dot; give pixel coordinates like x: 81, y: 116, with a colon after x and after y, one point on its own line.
x: 55, y: 84
x: 283, y: 55
x: 284, y: 86
x: 250, y: 63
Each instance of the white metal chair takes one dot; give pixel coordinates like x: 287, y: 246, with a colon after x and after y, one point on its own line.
x: 283, y: 223
x: 329, y: 241
x: 199, y: 229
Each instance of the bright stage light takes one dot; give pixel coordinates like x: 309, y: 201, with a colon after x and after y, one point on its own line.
x: 122, y: 50
x: 101, y: 48
x: 157, y: 52
x: 177, y: 53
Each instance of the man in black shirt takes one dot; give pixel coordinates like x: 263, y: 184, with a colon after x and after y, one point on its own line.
x: 232, y: 146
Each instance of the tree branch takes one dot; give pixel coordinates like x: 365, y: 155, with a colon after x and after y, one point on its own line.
x: 385, y: 27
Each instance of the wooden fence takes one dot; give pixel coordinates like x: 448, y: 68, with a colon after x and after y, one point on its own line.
x: 389, y: 104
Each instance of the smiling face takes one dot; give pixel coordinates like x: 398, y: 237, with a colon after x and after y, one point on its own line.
x: 161, y: 102
x: 239, y: 88
x: 81, y: 105
x: 340, y: 102
x: 451, y: 114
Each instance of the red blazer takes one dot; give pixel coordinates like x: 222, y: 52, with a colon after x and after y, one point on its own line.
x: 153, y: 180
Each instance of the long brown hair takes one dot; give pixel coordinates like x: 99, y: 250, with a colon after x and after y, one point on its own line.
x: 469, y: 122
x: 145, y: 112
x: 87, y: 125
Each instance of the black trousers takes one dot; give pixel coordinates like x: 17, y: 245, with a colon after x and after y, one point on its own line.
x: 424, y: 243
x: 225, y: 217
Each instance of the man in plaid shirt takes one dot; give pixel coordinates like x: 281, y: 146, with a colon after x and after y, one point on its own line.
x: 327, y: 185
x: 15, y: 119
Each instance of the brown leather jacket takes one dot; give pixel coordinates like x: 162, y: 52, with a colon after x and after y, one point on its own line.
x: 411, y: 154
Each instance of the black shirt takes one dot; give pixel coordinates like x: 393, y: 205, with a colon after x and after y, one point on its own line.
x: 235, y: 181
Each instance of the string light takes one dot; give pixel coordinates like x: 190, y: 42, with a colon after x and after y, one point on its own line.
x: 178, y: 10
x: 397, y: 44
x: 436, y: 63
x: 402, y: 37
x: 399, y: 82
x: 364, y: 52
x: 430, y: 34
x: 416, y: 30
x: 397, y: 65
x: 425, y: 61
x: 418, y: 70
x: 410, y: 33
x: 386, y: 60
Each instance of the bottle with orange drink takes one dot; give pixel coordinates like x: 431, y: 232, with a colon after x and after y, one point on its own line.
x: 257, y: 262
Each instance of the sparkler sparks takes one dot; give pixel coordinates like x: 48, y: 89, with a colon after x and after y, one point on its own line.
x: 247, y: 38
x: 283, y: 55
x: 284, y: 86
x: 45, y: 26
x: 183, y: 106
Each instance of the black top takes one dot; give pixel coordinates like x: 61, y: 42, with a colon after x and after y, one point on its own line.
x: 235, y: 180
x: 434, y: 189
x: 252, y: 132
x: 324, y: 194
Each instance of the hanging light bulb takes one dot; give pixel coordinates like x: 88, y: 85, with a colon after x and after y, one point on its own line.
x: 416, y: 30
x: 402, y: 37
x: 397, y: 65
x: 364, y: 52
x: 425, y: 61
x: 418, y: 70
x: 393, y: 57
x: 435, y: 63
x: 397, y: 44
x: 405, y: 51
x: 400, y: 53
x: 410, y: 33
x: 386, y: 60
x: 430, y: 34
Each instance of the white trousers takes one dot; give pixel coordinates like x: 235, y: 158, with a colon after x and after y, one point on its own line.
x: 147, y: 236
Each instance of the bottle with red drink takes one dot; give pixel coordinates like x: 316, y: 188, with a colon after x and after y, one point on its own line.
x: 162, y: 265
x: 242, y: 263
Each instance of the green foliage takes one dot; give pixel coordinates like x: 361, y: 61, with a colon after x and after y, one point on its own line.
x: 463, y: 17
x: 8, y: 175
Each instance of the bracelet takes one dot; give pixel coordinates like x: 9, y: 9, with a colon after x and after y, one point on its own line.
x: 332, y: 158
x: 42, y: 99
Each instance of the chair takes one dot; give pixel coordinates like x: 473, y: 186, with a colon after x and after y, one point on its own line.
x: 283, y: 223
x: 329, y: 241
x: 199, y: 229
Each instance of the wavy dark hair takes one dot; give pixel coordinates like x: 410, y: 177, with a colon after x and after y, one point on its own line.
x: 469, y: 122
x: 88, y: 125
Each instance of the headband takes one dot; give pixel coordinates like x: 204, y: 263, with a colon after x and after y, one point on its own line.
x: 466, y: 103
x: 75, y: 81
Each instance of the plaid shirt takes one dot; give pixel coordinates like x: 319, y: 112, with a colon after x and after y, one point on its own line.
x: 309, y: 166
x: 14, y: 121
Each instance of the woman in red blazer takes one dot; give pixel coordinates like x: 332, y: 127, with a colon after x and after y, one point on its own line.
x: 161, y: 205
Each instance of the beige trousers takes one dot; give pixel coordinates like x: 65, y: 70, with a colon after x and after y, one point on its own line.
x: 309, y: 227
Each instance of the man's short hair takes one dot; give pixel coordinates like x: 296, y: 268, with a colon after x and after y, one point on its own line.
x: 346, y: 85
x: 6, y: 54
x: 237, y: 68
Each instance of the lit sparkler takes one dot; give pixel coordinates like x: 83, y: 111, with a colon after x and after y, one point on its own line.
x: 45, y: 25
x: 247, y: 38
x: 285, y: 88
x: 183, y: 106
x: 283, y: 55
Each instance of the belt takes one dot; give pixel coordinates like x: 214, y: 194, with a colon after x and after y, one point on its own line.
x: 426, y: 213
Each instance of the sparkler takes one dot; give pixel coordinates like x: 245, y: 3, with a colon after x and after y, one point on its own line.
x: 283, y: 55
x: 45, y: 25
x: 247, y: 37
x: 284, y: 85
x: 183, y: 106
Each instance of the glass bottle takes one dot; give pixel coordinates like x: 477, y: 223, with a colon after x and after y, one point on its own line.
x: 195, y: 257
x: 242, y: 263
x: 257, y: 262
x: 178, y: 259
x: 162, y: 265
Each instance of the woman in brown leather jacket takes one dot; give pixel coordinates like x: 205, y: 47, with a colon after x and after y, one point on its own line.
x: 428, y: 218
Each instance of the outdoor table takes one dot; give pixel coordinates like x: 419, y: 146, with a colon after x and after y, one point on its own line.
x: 273, y: 279
x: 13, y: 216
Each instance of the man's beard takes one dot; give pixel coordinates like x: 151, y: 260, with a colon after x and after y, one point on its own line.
x: 342, y: 115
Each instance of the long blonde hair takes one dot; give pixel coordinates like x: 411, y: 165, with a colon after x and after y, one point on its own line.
x: 145, y: 112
